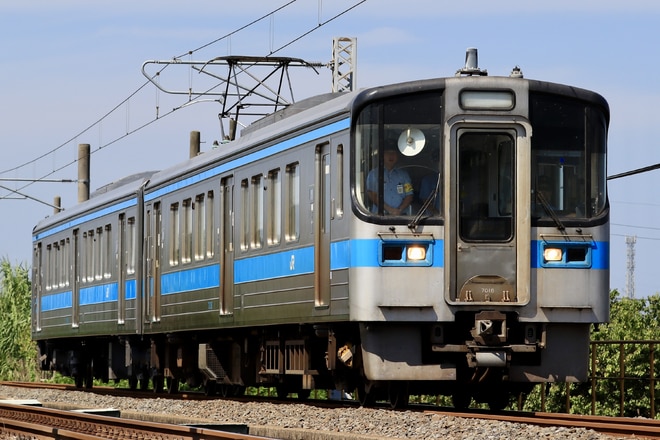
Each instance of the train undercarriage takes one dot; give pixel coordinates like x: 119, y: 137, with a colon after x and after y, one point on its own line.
x: 467, y: 363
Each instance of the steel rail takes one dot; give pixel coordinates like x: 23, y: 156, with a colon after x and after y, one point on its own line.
x: 47, y: 423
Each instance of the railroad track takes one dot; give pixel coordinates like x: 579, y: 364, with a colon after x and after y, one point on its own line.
x: 45, y: 423
x: 616, y: 426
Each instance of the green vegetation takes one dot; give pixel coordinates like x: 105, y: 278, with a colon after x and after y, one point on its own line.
x: 18, y: 360
x: 622, y: 372
x: 632, y: 321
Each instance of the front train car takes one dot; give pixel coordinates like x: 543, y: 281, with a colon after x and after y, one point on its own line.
x: 479, y: 246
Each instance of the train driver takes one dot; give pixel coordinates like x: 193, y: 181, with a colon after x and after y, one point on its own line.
x: 398, y: 189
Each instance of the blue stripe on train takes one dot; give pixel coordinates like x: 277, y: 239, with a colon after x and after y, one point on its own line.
x: 185, y: 280
x: 343, y: 255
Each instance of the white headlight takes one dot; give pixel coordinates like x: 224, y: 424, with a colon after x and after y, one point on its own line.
x: 552, y: 254
x: 416, y: 253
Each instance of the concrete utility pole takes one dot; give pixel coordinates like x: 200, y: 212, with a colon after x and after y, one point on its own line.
x: 195, y: 144
x: 83, y: 172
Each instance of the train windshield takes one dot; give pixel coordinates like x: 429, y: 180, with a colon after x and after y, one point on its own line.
x: 398, y: 164
x: 568, y: 158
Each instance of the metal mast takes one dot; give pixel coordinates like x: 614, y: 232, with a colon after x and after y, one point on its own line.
x: 630, y: 274
x: 344, y: 63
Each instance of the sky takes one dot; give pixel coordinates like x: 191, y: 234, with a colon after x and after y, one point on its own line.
x: 69, y: 67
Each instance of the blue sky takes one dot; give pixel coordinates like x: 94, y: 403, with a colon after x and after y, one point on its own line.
x: 66, y: 64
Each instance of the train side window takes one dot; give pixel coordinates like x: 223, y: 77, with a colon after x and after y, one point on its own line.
x: 186, y: 248
x: 199, y: 242
x: 245, y: 223
x: 49, y: 265
x: 83, y: 258
x: 64, y: 263
x: 107, y: 252
x: 208, y: 223
x: 274, y: 194
x: 292, y: 203
x: 257, y: 212
x: 131, y: 247
x: 339, y: 199
x: 99, y: 255
x: 174, y: 234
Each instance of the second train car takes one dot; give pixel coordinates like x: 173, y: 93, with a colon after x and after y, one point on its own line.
x: 442, y: 236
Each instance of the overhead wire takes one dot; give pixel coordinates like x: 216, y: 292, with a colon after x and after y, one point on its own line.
x: 158, y: 117
x: 125, y: 101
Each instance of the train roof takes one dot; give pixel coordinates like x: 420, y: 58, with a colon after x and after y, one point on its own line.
x: 275, y: 127
x: 284, y: 124
x: 290, y: 119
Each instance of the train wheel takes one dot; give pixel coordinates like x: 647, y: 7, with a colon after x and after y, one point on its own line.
x: 225, y: 390
x: 159, y: 383
x: 304, y: 394
x: 209, y: 387
x: 282, y: 390
x: 132, y: 383
x: 79, y: 381
x: 398, y: 394
x: 172, y: 385
x: 238, y: 390
x: 498, y: 401
x: 365, y: 394
x: 461, y: 400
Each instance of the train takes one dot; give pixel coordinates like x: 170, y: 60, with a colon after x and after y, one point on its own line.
x: 444, y: 236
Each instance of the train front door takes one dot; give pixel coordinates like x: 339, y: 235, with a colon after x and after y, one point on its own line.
x: 489, y: 229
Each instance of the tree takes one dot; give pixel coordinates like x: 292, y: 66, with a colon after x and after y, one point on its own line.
x: 17, y: 350
x: 617, y: 343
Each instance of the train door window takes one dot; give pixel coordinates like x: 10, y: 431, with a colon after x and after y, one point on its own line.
x: 186, y: 248
x: 131, y: 246
x: 339, y: 194
x: 257, y: 212
x: 89, y: 255
x: 174, y: 234
x: 274, y: 193
x: 208, y: 223
x: 485, y: 185
x: 57, y: 269
x: 292, y: 202
x: 245, y: 222
x: 199, y: 242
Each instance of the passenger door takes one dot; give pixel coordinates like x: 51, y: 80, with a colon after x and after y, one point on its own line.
x: 152, y: 272
x: 227, y: 248
x: 322, y: 227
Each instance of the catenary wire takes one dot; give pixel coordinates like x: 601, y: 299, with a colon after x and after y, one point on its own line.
x: 157, y: 118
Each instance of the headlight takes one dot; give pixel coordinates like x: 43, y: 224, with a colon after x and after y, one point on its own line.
x: 552, y: 254
x: 416, y: 253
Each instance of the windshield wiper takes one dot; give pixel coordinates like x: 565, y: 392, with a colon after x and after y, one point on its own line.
x: 548, y: 209
x: 430, y: 199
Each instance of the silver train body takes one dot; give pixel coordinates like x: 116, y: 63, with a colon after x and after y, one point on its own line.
x: 273, y: 260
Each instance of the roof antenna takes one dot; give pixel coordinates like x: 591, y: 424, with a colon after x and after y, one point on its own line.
x: 471, y: 64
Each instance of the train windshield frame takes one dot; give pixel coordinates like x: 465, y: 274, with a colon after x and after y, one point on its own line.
x: 398, y: 161
x: 569, y: 148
